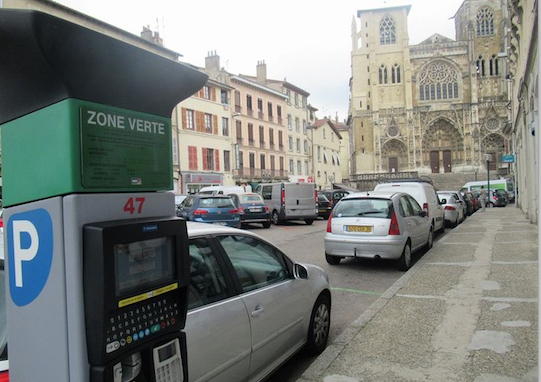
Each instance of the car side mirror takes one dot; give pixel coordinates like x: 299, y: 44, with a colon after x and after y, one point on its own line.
x: 443, y: 201
x: 422, y: 214
x: 300, y: 272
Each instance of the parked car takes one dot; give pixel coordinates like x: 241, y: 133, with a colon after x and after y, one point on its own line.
x: 224, y: 190
x: 250, y: 307
x: 218, y: 210
x: 323, y: 206
x: 497, y: 199
x: 290, y: 201
x: 334, y: 196
x: 424, y: 193
x: 471, y: 201
x: 503, y: 194
x: 252, y: 209
x: 453, y: 209
x: 387, y: 225
x: 460, y: 201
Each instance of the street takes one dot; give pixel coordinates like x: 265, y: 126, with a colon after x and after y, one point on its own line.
x: 355, y: 284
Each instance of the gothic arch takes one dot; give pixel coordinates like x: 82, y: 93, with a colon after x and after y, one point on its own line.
x: 496, y: 145
x: 442, y: 145
x: 394, y: 155
x: 439, y: 79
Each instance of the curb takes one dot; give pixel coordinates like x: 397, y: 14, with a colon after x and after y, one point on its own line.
x: 329, y: 355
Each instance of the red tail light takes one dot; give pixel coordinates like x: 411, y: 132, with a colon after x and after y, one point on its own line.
x: 4, y: 377
x: 315, y: 195
x: 425, y: 208
x: 1, y: 226
x: 394, y: 229
x: 240, y: 210
x: 283, y: 196
x: 329, y: 228
x: 450, y: 208
x: 495, y: 197
x: 266, y: 208
x: 235, y: 211
x: 200, y: 212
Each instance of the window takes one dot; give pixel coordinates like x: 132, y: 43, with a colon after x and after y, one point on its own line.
x: 225, y: 126
x: 269, y: 110
x: 279, y: 111
x: 175, y: 150
x: 239, y: 131
x: 298, y: 145
x: 288, y: 94
x: 387, y: 31
x: 299, y: 167
x: 480, y: 66
x: 382, y: 74
x: 438, y: 81
x: 227, y: 160
x: 296, y: 100
x: 485, y: 22
x: 272, y: 166
x: 306, y: 167
x: 305, y: 146
x: 290, y: 144
x: 297, y: 125
x: 262, y: 161
x: 266, y: 192
x: 223, y: 97
x: 304, y: 125
x: 207, y: 282
x: 324, y: 133
x: 190, y: 119
x: 291, y: 166
x: 252, y: 160
x: 405, y: 208
x: 494, y: 69
x: 192, y: 157
x: 250, y: 134
x: 319, y: 153
x: 208, y: 123
x: 257, y: 264
x: 304, y: 102
x: 237, y: 101
x: 260, y: 104
x: 280, y: 139
x: 262, y: 136
x: 208, y: 159
x: 249, y: 102
x: 281, y: 163
x: 206, y: 92
x: 289, y: 123
x: 395, y: 74
x: 271, y: 137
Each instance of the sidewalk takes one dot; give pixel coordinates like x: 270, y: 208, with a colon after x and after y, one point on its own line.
x: 467, y: 311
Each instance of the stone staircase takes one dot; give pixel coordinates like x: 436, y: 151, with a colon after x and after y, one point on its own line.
x: 455, y: 181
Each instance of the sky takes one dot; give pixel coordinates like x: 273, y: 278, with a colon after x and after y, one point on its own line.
x: 306, y: 42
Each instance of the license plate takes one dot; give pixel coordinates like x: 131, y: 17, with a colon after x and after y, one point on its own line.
x: 323, y: 210
x: 220, y: 223
x: 358, y: 228
x: 254, y: 209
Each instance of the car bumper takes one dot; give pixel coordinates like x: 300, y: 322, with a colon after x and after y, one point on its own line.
x: 451, y: 216
x: 388, y: 247
x: 230, y: 223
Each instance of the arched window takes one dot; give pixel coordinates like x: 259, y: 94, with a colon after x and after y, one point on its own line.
x: 395, y: 74
x: 439, y: 80
x: 485, y: 22
x: 480, y: 66
x: 494, y: 67
x: 382, y: 74
x: 387, y: 31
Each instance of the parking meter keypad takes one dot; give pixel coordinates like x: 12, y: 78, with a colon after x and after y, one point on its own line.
x: 131, y: 325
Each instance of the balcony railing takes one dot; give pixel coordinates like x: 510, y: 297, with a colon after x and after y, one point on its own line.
x: 271, y: 118
x: 250, y: 112
x: 271, y: 145
x: 260, y: 115
x: 262, y: 174
x: 251, y: 142
x: 262, y: 144
x: 281, y: 147
x: 238, y: 108
x: 280, y: 121
x: 239, y: 139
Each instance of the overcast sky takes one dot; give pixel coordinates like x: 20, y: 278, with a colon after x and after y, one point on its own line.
x: 306, y: 41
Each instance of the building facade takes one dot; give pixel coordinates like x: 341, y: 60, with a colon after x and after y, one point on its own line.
x: 326, y: 145
x: 436, y: 107
x: 521, y: 46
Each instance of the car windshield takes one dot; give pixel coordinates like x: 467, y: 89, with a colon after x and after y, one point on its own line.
x: 449, y: 197
x: 216, y: 203
x: 370, y: 207
x: 250, y: 198
x: 322, y: 198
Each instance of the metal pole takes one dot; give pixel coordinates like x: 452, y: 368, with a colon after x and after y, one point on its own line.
x: 488, y: 181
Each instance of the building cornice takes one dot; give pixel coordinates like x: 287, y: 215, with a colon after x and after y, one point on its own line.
x: 385, y: 9
x: 255, y: 85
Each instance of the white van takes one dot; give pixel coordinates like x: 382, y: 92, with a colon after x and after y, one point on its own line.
x: 425, y: 194
x: 290, y: 201
x: 224, y: 190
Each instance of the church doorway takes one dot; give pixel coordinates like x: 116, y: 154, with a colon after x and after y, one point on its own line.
x: 447, y: 159
x: 443, y: 146
x: 395, y: 156
x: 435, y: 162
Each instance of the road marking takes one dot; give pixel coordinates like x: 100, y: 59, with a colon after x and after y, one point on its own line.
x: 427, y: 297
x: 514, y: 262
x: 356, y: 291
x: 508, y: 299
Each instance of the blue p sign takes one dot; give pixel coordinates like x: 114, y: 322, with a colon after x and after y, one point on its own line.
x: 30, y: 254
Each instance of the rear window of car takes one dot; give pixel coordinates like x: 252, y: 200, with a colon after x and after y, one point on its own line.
x: 445, y: 196
x: 369, y: 207
x: 216, y: 203
x: 250, y: 198
x: 322, y: 198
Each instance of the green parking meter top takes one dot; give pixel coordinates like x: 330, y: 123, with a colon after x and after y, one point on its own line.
x: 83, y: 112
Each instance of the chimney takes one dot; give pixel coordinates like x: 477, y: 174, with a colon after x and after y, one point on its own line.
x: 146, y: 33
x: 261, y: 72
x: 212, y: 62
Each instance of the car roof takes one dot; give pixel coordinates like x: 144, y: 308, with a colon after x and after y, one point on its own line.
x: 201, y: 229
x: 378, y: 194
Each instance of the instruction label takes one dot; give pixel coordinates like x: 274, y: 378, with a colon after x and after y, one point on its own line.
x: 123, y: 150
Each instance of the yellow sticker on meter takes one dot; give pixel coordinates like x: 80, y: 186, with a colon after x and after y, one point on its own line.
x: 147, y: 295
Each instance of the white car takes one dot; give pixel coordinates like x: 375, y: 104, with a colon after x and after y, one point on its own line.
x: 424, y: 193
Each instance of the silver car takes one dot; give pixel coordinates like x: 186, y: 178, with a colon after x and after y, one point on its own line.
x: 386, y: 225
x: 453, y: 208
x: 250, y: 306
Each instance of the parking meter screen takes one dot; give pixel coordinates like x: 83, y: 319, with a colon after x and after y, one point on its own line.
x: 141, y: 264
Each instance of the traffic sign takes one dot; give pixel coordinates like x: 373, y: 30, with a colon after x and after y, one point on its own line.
x: 508, y: 158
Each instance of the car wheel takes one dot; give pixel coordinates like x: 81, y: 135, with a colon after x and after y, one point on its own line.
x: 333, y: 260
x: 404, y: 262
x: 266, y: 225
x: 430, y: 240
x: 308, y: 221
x: 275, y: 218
x: 320, y: 322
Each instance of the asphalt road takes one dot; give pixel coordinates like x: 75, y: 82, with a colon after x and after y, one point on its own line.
x: 355, y: 284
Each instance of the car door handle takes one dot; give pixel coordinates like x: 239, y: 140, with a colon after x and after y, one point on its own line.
x: 258, y: 311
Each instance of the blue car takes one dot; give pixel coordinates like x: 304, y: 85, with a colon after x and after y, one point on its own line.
x: 210, y: 209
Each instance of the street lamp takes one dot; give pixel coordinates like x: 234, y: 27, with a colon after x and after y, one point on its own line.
x: 489, y: 158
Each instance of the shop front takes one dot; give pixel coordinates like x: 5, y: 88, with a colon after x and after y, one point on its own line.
x: 193, y: 182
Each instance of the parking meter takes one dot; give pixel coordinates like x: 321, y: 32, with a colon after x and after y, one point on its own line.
x: 96, y: 260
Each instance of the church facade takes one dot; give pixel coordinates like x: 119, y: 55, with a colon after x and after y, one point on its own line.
x: 436, y: 107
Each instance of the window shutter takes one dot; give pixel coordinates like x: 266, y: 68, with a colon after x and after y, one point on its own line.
x: 215, y: 124
x: 205, y: 163
x: 183, y: 111
x: 192, y: 157
x: 217, y: 161
x: 213, y: 93
x: 200, y: 116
